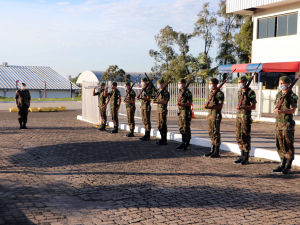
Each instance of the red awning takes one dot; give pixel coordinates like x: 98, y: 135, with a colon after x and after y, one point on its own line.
x: 281, y: 67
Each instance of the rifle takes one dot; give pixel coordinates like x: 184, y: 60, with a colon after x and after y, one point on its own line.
x: 285, y: 93
x: 246, y: 87
x: 159, y: 93
x: 187, y: 85
x: 131, y: 87
x: 144, y: 88
x: 220, y: 86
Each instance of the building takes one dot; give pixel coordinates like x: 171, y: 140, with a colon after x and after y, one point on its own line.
x: 38, y: 79
x: 275, y: 43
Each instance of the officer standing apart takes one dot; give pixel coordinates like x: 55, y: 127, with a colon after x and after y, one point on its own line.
x: 22, y: 100
x: 185, y: 114
x: 146, y: 108
x: 214, y: 118
x: 114, y: 96
x: 130, y: 108
x: 102, y: 101
x: 285, y: 126
x: 244, y: 120
x: 162, y: 111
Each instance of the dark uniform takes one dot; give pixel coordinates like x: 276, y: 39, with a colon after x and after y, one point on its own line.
x: 102, y: 101
x: 23, y: 98
x: 162, y: 112
x: 130, y: 108
x: 114, y: 96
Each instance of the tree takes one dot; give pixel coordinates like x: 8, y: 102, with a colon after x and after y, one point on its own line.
x: 113, y: 73
x: 74, y: 80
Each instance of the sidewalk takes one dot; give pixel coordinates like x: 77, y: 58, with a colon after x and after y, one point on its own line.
x: 261, y: 147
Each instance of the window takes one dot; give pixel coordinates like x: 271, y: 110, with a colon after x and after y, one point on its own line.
x: 278, y: 26
x: 271, y: 80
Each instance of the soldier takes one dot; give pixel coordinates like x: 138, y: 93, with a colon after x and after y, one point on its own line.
x: 214, y: 118
x: 115, y: 102
x: 102, y: 101
x: 146, y: 109
x: 130, y: 108
x: 22, y: 99
x: 162, y: 111
x: 244, y: 120
x: 285, y: 126
x: 185, y: 114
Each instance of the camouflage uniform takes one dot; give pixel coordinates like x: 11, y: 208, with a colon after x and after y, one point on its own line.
x: 185, y: 116
x: 214, y: 118
x: 243, y: 121
x: 146, y: 109
x: 102, y: 101
x: 162, y: 112
x: 114, y: 96
x: 23, y: 98
x: 130, y: 108
x: 285, y: 126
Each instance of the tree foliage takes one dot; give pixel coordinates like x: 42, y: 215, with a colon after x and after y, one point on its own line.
x: 113, y: 73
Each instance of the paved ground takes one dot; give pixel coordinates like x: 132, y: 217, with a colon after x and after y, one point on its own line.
x: 63, y: 171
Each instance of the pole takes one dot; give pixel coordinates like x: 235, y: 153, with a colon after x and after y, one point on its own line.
x: 45, y: 89
x: 71, y: 89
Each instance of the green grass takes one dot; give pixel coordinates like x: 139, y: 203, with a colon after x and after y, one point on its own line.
x: 9, y: 99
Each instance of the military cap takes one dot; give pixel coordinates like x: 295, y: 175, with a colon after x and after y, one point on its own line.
x: 182, y: 80
x: 144, y: 79
x: 214, y: 80
x: 243, y: 78
x: 23, y: 84
x: 285, y: 79
x: 161, y: 81
x: 102, y: 84
x: 127, y: 83
x: 114, y: 83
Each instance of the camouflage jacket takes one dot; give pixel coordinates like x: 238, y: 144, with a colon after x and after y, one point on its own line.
x: 217, y: 100
x: 249, y: 100
x: 101, y: 97
x: 130, y: 97
x: 23, y: 98
x: 165, y: 95
x: 114, y: 96
x: 186, y: 98
x: 289, y: 102
x: 146, y: 93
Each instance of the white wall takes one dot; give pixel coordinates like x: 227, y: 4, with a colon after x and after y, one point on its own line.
x: 87, y: 76
x: 36, y: 93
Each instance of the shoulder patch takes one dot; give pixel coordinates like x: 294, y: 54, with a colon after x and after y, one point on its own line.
x: 295, y: 97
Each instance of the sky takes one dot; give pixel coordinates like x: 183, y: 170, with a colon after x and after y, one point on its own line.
x: 78, y: 35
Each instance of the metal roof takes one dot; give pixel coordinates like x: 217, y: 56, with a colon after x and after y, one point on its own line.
x: 34, y: 78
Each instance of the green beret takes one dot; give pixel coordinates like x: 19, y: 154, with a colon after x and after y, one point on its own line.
x: 243, y: 78
x: 144, y: 79
x: 182, y: 80
x: 285, y: 79
x: 214, y: 80
x: 161, y: 81
x: 102, y: 84
x: 127, y: 83
x: 114, y: 83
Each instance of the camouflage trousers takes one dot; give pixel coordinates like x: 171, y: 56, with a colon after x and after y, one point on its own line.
x: 285, y: 141
x: 214, y: 122
x: 130, y: 117
x: 162, y: 121
x: 103, y: 115
x: 114, y: 116
x: 23, y: 114
x: 184, y: 122
x: 242, y: 132
x: 146, y: 114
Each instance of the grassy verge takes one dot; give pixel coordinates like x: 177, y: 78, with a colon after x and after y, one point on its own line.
x: 8, y: 99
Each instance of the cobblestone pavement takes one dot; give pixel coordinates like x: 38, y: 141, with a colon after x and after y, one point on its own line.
x: 63, y: 171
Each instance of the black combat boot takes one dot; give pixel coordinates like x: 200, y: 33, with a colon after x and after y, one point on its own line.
x: 24, y: 126
x: 146, y: 137
x: 216, y: 153
x: 102, y: 127
x: 287, y: 167
x: 20, y: 122
x: 246, y: 158
x: 159, y: 142
x: 115, y: 130
x: 212, y: 149
x: 187, y: 146
x: 163, y: 140
x: 240, y: 159
x: 281, y: 167
x: 130, y: 134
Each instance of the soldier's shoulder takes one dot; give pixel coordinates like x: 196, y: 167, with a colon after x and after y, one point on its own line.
x: 251, y: 93
x: 294, y: 96
x: 221, y: 94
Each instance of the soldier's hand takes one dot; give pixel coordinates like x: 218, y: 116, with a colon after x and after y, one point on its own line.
x: 277, y: 111
x: 239, y: 107
x: 106, y: 88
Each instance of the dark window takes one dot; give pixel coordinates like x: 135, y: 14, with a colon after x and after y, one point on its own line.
x: 271, y: 80
x: 282, y: 25
x: 262, y: 28
x: 272, y: 24
x: 292, y: 23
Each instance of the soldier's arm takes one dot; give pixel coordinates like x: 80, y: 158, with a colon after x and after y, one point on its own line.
x: 250, y: 107
x: 105, y: 92
x: 95, y: 93
x: 219, y: 106
x: 288, y: 111
x: 16, y: 99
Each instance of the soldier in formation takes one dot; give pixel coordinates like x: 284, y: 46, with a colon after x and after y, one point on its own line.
x: 214, y: 118
x: 130, y: 108
x: 114, y: 97
x: 285, y: 126
x: 162, y: 111
x: 22, y: 100
x: 102, y: 101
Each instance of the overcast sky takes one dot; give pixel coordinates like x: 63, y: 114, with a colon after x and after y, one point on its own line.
x: 73, y: 36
